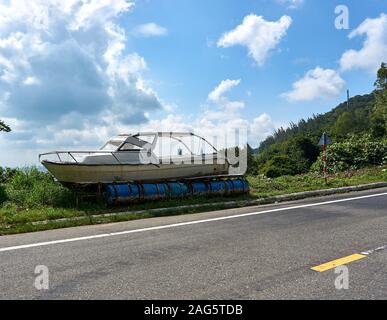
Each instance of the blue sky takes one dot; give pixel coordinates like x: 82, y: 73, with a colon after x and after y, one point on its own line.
x: 73, y: 74
x: 194, y: 66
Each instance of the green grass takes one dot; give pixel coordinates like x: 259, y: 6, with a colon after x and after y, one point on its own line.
x: 23, y: 221
x: 22, y: 206
x: 265, y: 187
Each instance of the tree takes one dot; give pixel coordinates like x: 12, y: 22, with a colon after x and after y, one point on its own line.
x: 344, y: 124
x: 251, y: 161
x: 309, y: 150
x: 4, y: 127
x: 379, y: 115
x: 279, y: 165
x: 381, y: 81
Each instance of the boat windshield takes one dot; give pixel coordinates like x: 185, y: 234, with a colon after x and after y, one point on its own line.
x: 113, y: 144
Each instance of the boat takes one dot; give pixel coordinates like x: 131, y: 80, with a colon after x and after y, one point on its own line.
x: 140, y: 157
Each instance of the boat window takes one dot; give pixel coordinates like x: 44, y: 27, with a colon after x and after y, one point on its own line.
x: 112, y: 145
x: 200, y: 146
x: 137, y: 143
x: 172, y: 146
x: 184, y: 145
x: 128, y: 146
x: 149, y: 138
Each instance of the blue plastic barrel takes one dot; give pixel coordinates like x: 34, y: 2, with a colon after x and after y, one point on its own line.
x: 122, y: 193
x: 199, y: 188
x: 178, y: 189
x: 217, y: 187
x: 229, y: 186
x: 237, y: 186
x: 163, y: 190
x: 154, y: 191
x: 132, y: 192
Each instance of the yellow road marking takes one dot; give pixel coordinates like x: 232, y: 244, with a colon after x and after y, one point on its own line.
x: 333, y: 264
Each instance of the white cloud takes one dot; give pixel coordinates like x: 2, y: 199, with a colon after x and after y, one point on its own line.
x: 258, y: 35
x: 66, y: 77
x: 67, y: 81
x: 30, y: 81
x: 215, y: 130
x: 226, y: 85
x: 224, y: 115
x: 75, y: 51
x: 98, y: 11
x: 150, y: 30
x: 73, y: 131
x: 374, y: 50
x: 291, y: 4
x: 227, y: 107
x: 260, y: 128
x: 317, y: 83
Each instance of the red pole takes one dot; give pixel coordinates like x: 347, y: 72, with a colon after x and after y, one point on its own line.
x: 325, y: 163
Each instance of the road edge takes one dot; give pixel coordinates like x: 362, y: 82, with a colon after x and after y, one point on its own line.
x: 232, y: 204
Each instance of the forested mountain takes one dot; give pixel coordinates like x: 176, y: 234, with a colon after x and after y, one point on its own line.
x: 294, y: 149
x: 343, y: 119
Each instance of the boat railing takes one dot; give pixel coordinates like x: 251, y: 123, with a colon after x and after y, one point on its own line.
x: 72, y: 155
x: 77, y: 157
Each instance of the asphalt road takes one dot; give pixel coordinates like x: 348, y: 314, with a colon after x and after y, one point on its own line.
x: 263, y: 252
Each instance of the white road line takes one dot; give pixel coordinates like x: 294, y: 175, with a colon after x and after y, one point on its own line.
x: 368, y: 252
x: 112, y: 234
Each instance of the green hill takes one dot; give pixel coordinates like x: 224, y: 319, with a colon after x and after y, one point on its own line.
x: 338, y: 122
x: 293, y: 150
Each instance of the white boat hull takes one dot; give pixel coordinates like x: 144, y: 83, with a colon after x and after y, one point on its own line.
x: 72, y: 173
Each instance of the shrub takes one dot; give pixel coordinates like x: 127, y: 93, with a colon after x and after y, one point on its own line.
x: 30, y: 188
x: 6, y: 174
x: 354, y: 153
x: 302, y: 151
x: 3, y: 194
x: 279, y: 165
